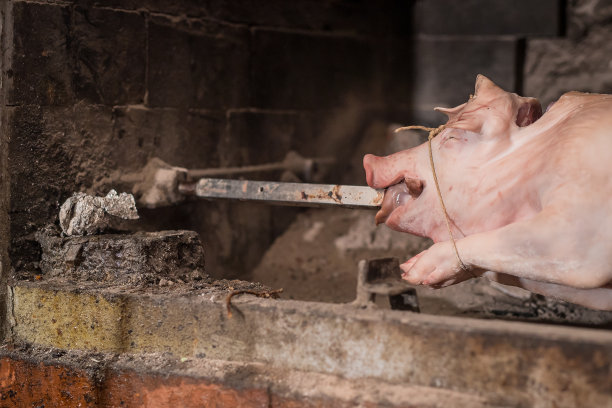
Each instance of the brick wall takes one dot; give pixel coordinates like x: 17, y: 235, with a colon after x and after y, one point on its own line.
x: 95, y: 88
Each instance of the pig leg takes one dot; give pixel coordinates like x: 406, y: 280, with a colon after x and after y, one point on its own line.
x: 548, y: 248
x: 598, y: 298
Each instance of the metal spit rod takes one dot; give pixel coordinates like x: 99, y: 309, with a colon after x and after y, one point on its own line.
x: 292, y: 162
x: 294, y: 194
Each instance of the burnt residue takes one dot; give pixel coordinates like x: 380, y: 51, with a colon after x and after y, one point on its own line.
x: 379, y: 198
x: 139, y: 258
x: 333, y: 194
x: 336, y: 195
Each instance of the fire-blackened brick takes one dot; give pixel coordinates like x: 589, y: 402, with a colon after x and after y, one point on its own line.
x: 41, y: 71
x: 202, y: 65
x: 109, y: 51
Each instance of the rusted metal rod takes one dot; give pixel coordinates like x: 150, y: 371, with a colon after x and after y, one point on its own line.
x: 295, y: 194
x: 292, y: 162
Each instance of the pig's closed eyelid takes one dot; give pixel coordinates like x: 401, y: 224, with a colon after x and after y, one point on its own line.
x: 446, y: 139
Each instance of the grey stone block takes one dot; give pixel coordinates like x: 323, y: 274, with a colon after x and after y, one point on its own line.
x: 140, y: 258
x: 488, y: 17
x: 85, y: 214
x: 347, y: 16
x: 556, y: 66
x: 41, y: 70
x: 258, y: 137
x: 180, y: 138
x: 445, y: 69
x: 109, y: 50
x: 303, y: 71
x: 397, y: 64
x: 99, y: 55
x: 190, y: 8
x: 335, y: 132
x: 202, y: 65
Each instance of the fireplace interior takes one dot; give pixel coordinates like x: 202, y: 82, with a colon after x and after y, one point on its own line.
x: 92, y: 90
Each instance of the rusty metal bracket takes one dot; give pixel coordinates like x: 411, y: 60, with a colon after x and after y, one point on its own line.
x: 382, y: 277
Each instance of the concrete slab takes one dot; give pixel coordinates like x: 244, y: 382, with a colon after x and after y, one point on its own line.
x: 516, y: 364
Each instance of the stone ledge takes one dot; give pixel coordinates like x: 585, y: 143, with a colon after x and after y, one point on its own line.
x: 517, y: 363
x: 442, y: 78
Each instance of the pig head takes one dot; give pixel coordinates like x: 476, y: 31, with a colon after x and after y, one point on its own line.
x: 515, y: 183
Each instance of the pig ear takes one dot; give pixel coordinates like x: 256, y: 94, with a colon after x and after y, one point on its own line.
x: 459, y: 119
x: 528, y: 112
x: 486, y: 88
x: 451, y: 112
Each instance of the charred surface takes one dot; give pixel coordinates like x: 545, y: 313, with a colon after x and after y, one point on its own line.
x: 140, y: 258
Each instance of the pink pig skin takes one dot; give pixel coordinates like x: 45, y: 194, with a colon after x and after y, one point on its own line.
x: 529, y: 197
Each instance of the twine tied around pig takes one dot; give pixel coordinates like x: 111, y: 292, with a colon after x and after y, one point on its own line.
x: 433, y: 132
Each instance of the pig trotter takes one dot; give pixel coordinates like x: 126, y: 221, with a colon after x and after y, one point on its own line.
x: 437, y: 266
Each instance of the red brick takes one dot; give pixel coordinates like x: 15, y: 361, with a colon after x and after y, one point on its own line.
x: 25, y: 384
x: 36, y: 377
x: 284, y: 402
x: 129, y: 389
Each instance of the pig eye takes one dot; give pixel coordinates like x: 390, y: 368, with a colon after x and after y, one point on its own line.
x: 460, y: 135
x: 448, y: 138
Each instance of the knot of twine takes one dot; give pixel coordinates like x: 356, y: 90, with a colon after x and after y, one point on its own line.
x: 433, y: 132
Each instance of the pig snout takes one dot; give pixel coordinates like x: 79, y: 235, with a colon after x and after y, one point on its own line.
x: 382, y: 172
x: 391, y: 173
x: 372, y: 165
